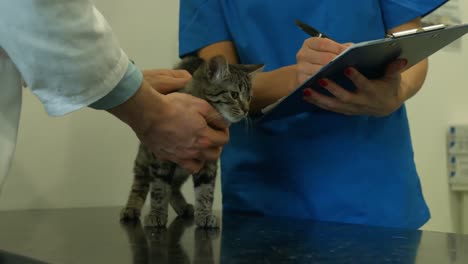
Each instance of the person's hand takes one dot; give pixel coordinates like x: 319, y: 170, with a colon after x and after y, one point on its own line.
x: 378, y: 98
x: 189, y: 132
x: 314, y: 54
x: 166, y: 80
x: 176, y: 127
x: 372, y: 97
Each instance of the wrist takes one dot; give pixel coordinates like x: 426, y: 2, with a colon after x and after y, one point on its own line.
x: 404, y: 92
x: 412, y: 80
x: 271, y: 86
x: 292, y: 74
x: 127, y: 86
x: 136, y: 110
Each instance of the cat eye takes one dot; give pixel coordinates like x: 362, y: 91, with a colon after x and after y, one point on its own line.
x: 234, y: 95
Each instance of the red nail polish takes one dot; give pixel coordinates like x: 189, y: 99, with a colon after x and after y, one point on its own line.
x: 403, y: 62
x: 322, y: 82
x: 307, y: 93
x: 347, y: 71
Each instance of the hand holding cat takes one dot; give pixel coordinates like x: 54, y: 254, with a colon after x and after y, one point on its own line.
x: 166, y: 80
x: 176, y: 127
x: 190, y: 133
x: 373, y: 97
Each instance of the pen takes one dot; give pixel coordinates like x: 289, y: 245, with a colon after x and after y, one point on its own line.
x: 309, y: 30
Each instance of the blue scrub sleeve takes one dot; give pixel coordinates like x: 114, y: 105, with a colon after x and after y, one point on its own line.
x: 201, y: 23
x: 397, y: 12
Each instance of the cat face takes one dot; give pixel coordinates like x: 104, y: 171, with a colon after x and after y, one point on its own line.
x: 228, y: 87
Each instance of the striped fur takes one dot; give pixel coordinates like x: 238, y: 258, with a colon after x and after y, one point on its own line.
x: 227, y: 87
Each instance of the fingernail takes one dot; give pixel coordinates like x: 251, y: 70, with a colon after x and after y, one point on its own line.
x: 403, y: 62
x: 307, y: 93
x: 347, y: 71
x: 322, y: 82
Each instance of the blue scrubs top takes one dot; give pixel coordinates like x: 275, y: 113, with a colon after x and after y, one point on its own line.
x: 318, y: 165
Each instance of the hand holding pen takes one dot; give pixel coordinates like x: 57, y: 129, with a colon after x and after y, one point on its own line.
x: 372, y: 97
x: 315, y: 52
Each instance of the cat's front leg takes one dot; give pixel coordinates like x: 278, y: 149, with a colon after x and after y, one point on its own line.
x: 163, y: 175
x: 178, y: 201
x: 160, y: 194
x: 204, y: 183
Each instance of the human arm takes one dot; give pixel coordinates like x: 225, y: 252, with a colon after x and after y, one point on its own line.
x: 268, y: 87
x: 166, y: 80
x: 65, y: 51
x: 374, y: 98
x: 194, y: 38
x: 378, y: 97
x: 176, y: 127
x: 70, y: 59
x: 198, y: 15
x: 413, y: 78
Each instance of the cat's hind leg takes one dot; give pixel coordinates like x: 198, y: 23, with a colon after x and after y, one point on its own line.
x: 140, y: 187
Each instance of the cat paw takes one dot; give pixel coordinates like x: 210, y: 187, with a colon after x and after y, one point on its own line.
x: 154, y: 220
x: 187, y: 211
x: 207, y: 221
x: 129, y: 215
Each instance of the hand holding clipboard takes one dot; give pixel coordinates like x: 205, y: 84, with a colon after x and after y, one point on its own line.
x: 376, y: 97
x: 370, y: 58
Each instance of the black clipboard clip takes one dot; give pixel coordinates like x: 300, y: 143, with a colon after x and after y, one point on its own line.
x: 416, y: 31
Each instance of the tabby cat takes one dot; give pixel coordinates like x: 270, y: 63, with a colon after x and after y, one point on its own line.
x: 227, y: 87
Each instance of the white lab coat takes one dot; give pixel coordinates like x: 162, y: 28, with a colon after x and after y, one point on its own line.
x: 66, y: 53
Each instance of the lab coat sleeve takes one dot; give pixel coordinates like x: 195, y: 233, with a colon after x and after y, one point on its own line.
x: 67, y: 54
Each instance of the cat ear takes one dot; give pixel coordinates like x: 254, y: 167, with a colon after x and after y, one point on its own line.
x: 218, y: 68
x: 252, y: 69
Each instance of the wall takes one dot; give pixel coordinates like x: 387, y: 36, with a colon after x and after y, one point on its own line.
x: 442, y: 101
x: 85, y: 158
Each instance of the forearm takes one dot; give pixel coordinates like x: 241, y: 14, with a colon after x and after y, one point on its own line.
x: 413, y: 79
x: 65, y: 50
x: 127, y: 87
x: 268, y: 87
x: 132, y: 111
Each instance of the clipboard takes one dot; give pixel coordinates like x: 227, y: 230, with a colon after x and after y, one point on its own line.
x: 370, y: 58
